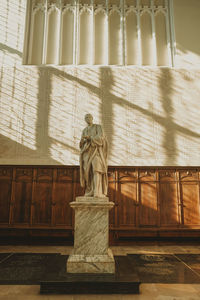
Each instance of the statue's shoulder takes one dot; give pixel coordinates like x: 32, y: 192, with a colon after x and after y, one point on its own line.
x: 97, y: 125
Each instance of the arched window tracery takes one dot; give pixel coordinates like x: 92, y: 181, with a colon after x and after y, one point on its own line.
x: 100, y: 32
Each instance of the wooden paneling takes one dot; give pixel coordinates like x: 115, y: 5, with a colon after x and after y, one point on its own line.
x: 148, y: 202
x: 22, y: 203
x: 148, y: 210
x: 191, y: 205
x: 5, y: 194
x: 151, y: 201
x: 62, y: 195
x: 168, y: 198
x: 127, y: 198
x: 127, y: 204
x: 169, y: 209
x: 112, y: 194
x: 42, y: 197
x: 22, y: 187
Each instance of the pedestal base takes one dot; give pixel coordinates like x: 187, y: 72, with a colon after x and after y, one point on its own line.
x: 91, y: 253
x: 91, y: 263
x: 124, y: 281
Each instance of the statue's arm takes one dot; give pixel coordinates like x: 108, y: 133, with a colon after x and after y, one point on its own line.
x: 84, y: 139
x: 98, y: 138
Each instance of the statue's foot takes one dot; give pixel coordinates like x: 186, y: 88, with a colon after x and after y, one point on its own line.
x: 90, y: 194
x: 100, y: 195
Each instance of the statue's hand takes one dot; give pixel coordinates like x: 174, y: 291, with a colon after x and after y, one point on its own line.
x: 87, y: 138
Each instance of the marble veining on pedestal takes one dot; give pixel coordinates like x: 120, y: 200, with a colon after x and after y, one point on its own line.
x: 91, y: 253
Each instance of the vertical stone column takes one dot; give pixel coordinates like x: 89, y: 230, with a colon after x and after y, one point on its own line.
x: 91, y: 253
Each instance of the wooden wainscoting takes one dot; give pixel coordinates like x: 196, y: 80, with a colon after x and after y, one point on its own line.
x: 149, y: 201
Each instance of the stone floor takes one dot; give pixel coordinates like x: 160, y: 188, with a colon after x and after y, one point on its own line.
x: 148, y: 291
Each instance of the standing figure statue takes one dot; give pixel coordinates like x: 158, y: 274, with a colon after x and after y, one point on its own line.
x: 93, y: 160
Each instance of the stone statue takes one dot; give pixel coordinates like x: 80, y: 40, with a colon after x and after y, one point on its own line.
x: 93, y: 159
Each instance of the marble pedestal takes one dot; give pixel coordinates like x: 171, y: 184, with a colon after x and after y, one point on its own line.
x: 91, y: 253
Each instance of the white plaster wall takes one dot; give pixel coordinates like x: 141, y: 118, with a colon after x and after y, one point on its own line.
x: 150, y: 115
x: 12, y: 25
x: 187, y: 24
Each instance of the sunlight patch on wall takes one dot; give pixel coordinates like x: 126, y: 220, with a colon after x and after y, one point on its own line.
x: 150, y: 116
x: 12, y: 18
x: 186, y: 58
x: 88, y: 97
x: 61, y: 117
x: 72, y: 95
x: 18, y: 106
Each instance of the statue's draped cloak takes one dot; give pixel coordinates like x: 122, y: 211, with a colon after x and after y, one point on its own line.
x: 93, y: 157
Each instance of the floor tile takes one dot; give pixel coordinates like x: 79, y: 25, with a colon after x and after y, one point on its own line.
x: 29, y: 268
x: 27, y: 292
x: 4, y: 256
x: 153, y: 268
x: 191, y: 260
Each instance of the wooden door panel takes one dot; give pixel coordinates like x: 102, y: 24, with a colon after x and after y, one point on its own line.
x: 148, y: 213
x: 22, y: 202
x: 168, y: 204
x: 191, y: 207
x: 127, y: 206
x: 63, y: 195
x: 5, y: 197
x: 42, y: 203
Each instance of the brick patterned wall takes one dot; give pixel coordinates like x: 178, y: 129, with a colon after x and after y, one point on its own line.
x: 150, y: 116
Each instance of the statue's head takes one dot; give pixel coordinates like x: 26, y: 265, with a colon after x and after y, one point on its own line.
x: 89, y: 119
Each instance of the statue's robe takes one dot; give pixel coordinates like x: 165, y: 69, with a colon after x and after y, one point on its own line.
x: 93, y: 158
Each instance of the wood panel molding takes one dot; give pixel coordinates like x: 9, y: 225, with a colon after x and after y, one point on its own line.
x: 149, y: 201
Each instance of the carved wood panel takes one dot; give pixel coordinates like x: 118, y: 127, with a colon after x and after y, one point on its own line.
x: 5, y: 194
x: 145, y: 198
x: 148, y: 207
x: 191, y: 204
x: 42, y: 197
x: 169, y: 206
x: 168, y: 198
x: 5, y: 200
x: 128, y: 201
x: 22, y: 203
x: 112, y: 194
x: 127, y: 204
x: 42, y: 203
x: 62, y: 194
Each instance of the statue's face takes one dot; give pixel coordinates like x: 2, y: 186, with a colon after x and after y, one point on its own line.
x: 89, y: 119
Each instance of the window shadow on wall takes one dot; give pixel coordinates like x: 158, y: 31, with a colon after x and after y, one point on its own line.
x: 44, y: 138
x: 6, y: 48
x: 169, y: 137
x: 108, y: 100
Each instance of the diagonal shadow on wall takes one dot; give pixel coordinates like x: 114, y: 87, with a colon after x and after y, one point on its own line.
x: 170, y: 126
x: 169, y: 138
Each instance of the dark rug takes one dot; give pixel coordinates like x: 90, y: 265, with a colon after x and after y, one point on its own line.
x: 32, y: 268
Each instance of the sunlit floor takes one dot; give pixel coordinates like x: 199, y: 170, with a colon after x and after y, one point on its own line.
x: 147, y: 290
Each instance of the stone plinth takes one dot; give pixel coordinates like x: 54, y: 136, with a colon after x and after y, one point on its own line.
x: 91, y: 253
